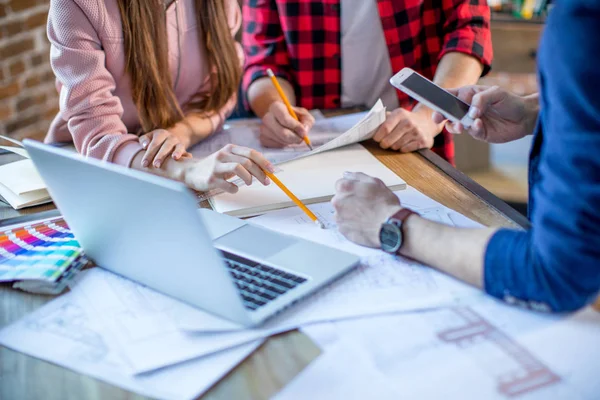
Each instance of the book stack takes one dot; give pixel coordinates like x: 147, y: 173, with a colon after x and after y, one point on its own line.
x: 20, y: 184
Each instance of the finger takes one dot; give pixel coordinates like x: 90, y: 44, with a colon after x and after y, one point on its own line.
x: 279, y: 131
x: 403, y: 132
x: 269, y: 138
x: 250, y: 166
x: 477, y: 130
x: 408, y: 137
x: 305, y: 117
x: 283, y: 117
x: 344, y: 186
x: 145, y: 139
x: 411, y: 146
x: 358, y: 176
x: 179, y: 152
x: 437, y: 117
x: 483, y: 100
x: 226, y: 186
x: 453, y: 127
x: 153, y: 147
x: 222, y: 170
x: 164, y: 152
x: 255, y: 156
x: 390, y: 123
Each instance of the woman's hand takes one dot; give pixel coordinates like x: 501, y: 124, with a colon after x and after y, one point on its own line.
x: 161, y: 144
x: 214, y: 171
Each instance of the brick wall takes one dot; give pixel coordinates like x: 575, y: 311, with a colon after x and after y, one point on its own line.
x: 28, y: 98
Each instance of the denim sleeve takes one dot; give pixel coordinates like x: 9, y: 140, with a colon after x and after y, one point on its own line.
x: 516, y: 273
x: 556, y: 264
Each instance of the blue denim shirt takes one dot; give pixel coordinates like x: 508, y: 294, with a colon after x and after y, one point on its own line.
x: 555, y: 265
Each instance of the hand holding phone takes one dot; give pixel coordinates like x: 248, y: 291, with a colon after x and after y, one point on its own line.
x: 433, y: 96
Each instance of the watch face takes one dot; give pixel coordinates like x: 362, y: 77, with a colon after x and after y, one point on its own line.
x: 390, y: 237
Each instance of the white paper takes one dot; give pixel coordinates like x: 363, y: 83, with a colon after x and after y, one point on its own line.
x: 17, y: 150
x: 21, y: 177
x: 326, y: 134
x: 139, y: 320
x: 484, y: 350
x: 344, y: 371
x: 68, y: 332
x: 310, y: 179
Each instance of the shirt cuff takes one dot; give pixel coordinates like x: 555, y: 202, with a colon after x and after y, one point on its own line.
x: 125, y: 153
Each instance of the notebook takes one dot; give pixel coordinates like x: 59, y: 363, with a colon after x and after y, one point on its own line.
x: 20, y: 184
x: 312, y: 179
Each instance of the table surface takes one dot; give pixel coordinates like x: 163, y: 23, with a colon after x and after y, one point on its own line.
x: 281, y: 357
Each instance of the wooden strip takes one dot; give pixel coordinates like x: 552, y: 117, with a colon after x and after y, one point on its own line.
x: 475, y: 188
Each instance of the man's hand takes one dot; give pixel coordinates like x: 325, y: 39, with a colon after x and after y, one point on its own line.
x: 407, y: 130
x: 499, y: 116
x: 362, y: 204
x: 280, y: 129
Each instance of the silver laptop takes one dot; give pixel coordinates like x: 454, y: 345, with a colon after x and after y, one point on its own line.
x: 149, y: 229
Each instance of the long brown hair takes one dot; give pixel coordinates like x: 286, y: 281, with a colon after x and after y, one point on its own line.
x: 147, y: 65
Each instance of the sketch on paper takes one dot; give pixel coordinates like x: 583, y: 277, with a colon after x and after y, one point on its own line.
x: 70, y: 321
x: 516, y: 370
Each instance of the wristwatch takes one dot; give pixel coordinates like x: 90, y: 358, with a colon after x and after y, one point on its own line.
x: 390, y: 234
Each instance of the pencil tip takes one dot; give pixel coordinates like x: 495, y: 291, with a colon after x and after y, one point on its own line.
x: 320, y: 224
x: 310, y: 146
x: 270, y: 72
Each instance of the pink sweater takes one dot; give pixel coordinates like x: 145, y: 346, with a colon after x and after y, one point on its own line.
x: 97, y: 112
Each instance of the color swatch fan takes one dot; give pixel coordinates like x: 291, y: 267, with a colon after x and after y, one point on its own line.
x: 40, y: 258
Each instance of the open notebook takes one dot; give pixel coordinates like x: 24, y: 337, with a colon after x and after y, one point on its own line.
x: 312, y: 179
x: 20, y: 184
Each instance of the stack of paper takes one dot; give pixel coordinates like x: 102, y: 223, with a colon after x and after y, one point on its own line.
x: 20, y: 184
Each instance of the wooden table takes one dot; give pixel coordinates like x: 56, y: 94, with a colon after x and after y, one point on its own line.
x: 282, y: 357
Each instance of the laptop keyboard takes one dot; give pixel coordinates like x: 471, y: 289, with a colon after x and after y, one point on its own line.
x: 258, y: 283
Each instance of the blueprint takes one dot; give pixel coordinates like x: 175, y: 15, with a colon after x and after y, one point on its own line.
x: 485, y: 349
x: 69, y: 332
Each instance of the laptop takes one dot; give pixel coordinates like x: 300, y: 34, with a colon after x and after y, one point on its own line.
x: 149, y: 229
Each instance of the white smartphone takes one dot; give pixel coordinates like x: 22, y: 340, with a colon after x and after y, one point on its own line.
x: 422, y: 89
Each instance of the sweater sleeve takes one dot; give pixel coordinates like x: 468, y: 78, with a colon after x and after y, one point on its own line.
x: 87, y: 101
x: 556, y: 264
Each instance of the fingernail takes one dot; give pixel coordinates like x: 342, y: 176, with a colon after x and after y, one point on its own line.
x: 157, y: 164
x: 271, y: 168
x: 144, y: 144
x: 145, y: 163
x: 347, y: 175
x: 473, y: 112
x: 267, y: 181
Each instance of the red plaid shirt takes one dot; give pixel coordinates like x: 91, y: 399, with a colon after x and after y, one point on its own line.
x: 300, y: 40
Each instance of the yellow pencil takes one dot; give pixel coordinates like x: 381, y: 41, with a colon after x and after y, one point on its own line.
x: 296, y: 200
x: 286, y: 102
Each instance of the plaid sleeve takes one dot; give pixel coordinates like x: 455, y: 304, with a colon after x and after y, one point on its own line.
x: 467, y: 30
x: 264, y: 43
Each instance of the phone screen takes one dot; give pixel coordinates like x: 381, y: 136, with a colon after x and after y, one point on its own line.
x: 437, y: 96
